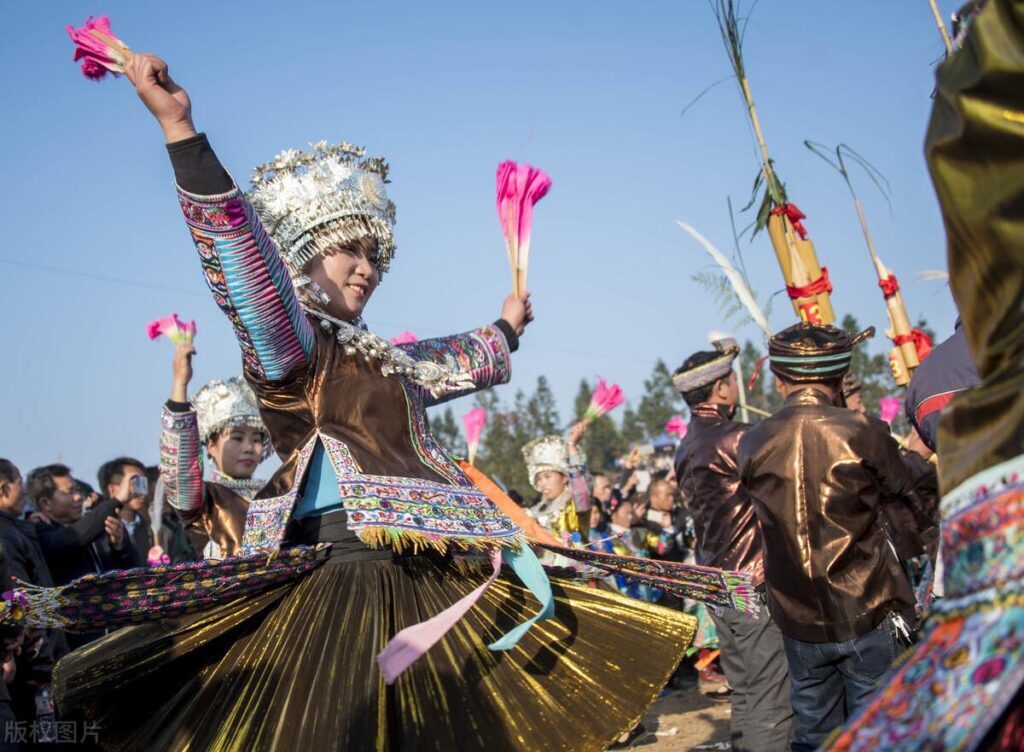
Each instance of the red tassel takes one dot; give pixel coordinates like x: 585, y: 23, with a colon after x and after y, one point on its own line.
x: 757, y: 372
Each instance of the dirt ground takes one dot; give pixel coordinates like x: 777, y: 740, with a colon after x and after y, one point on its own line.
x: 685, y: 719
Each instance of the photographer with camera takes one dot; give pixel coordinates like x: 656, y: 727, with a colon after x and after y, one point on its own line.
x: 124, y: 479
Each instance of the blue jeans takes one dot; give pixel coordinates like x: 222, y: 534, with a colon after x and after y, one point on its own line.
x: 829, y: 680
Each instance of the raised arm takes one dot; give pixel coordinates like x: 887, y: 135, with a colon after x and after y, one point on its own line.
x: 581, y: 483
x: 240, y: 262
x: 90, y: 527
x: 483, y: 353
x: 181, y: 464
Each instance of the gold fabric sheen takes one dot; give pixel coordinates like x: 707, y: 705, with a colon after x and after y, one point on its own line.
x: 974, y: 154
x: 295, y: 668
x: 568, y: 521
x: 221, y: 519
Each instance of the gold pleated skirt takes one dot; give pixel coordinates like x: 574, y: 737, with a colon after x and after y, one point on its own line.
x: 295, y: 668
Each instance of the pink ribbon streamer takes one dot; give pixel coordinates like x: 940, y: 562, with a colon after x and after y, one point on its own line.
x: 406, y: 647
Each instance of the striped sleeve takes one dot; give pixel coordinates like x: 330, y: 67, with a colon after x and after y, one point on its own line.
x: 249, y: 282
x: 483, y: 353
x: 180, y: 464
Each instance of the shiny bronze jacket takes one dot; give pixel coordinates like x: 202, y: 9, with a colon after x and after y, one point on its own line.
x: 817, y: 475
x: 728, y: 536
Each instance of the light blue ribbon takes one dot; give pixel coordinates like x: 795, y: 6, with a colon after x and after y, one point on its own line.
x: 528, y: 569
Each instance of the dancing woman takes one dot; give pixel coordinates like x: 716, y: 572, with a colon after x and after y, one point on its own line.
x: 293, y: 264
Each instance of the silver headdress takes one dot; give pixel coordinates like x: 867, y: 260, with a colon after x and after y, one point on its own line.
x: 546, y: 453
x: 309, y: 201
x: 227, y: 404
x: 331, y: 195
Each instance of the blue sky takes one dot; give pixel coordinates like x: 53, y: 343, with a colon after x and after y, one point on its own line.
x: 94, y: 246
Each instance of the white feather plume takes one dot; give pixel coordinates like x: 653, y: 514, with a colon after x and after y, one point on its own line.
x: 932, y: 275
x: 739, y: 285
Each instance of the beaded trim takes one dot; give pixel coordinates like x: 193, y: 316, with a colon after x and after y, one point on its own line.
x: 436, y: 378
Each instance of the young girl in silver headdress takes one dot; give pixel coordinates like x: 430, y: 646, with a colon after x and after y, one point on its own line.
x: 223, y: 417
x: 295, y: 666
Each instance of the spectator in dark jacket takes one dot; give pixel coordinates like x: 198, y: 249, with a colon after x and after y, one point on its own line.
x: 26, y: 563
x: 125, y: 480
x: 75, y: 544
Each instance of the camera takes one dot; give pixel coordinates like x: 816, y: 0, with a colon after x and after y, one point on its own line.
x: 139, y: 485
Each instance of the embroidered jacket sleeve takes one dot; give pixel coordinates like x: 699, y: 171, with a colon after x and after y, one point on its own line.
x: 241, y: 264
x: 180, y: 464
x: 484, y: 353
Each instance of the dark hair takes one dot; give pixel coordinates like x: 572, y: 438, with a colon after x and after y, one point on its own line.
x: 41, y: 483
x: 702, y: 394
x: 658, y: 484
x: 112, y: 472
x: 8, y: 472
x: 515, y: 496
x: 617, y: 502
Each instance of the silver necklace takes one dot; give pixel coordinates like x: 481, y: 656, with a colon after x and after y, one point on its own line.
x: 438, y: 379
x: 245, y: 487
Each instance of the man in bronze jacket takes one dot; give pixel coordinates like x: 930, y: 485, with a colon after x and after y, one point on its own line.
x: 728, y: 537
x: 817, y: 474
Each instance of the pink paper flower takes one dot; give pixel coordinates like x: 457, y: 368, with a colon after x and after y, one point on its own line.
x: 98, y: 49
x: 519, y: 188
x: 404, y: 338
x: 473, y: 422
x: 156, y: 557
x: 176, y: 330
x: 677, y: 426
x: 605, y: 399
x: 889, y: 407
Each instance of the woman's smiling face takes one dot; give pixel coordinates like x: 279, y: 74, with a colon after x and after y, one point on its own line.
x: 349, y: 275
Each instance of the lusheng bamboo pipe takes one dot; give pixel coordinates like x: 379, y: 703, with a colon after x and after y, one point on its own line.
x: 943, y: 32
x: 797, y: 258
x: 901, y: 327
x: 797, y: 272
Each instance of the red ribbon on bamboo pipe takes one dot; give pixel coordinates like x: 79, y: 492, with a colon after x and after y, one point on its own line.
x: 794, y: 216
x: 922, y: 342
x: 890, y: 286
x: 821, y: 285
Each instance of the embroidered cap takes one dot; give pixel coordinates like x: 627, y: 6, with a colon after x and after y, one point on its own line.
x: 711, y: 371
x: 851, y: 385
x: 813, y: 352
